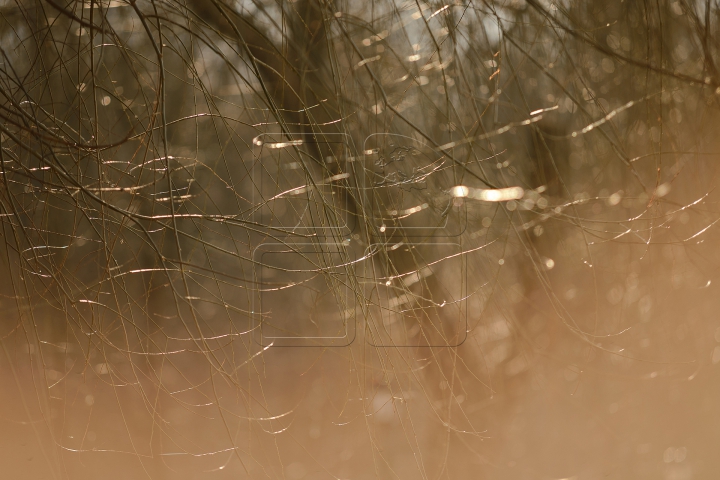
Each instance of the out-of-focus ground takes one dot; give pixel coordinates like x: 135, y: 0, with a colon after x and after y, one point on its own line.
x: 646, y: 408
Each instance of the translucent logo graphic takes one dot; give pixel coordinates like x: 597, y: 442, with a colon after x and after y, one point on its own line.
x: 303, y: 186
x: 305, y: 295
x: 407, y: 189
x: 416, y: 295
